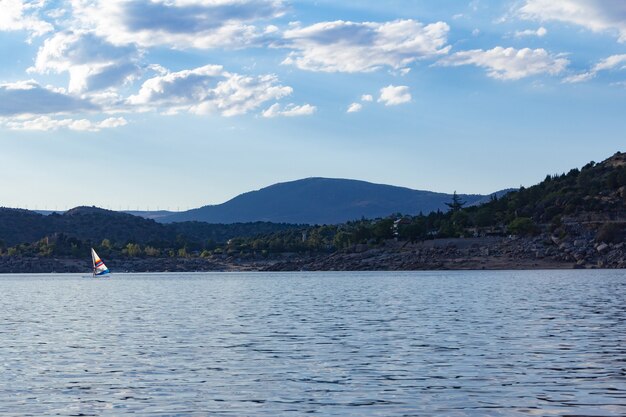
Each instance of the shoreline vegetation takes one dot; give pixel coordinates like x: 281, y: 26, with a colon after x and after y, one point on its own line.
x: 492, y: 253
x: 572, y: 220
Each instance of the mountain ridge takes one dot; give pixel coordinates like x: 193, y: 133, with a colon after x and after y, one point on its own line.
x: 320, y: 200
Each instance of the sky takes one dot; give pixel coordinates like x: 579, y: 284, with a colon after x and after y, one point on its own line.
x: 176, y: 104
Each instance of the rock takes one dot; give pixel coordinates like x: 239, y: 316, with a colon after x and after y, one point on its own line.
x: 361, y: 248
x: 602, y: 247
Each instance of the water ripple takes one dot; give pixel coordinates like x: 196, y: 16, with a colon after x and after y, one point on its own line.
x: 549, y: 343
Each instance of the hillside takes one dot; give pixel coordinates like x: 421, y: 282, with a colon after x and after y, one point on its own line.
x: 590, y: 197
x: 92, y: 224
x: 575, y: 219
x: 320, y: 201
x: 84, y: 223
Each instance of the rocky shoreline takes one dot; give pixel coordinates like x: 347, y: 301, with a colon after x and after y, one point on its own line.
x: 489, y: 253
x: 467, y: 254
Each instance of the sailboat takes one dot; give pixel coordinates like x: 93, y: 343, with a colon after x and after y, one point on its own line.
x: 99, y: 268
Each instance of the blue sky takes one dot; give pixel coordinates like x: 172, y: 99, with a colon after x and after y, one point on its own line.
x: 173, y: 104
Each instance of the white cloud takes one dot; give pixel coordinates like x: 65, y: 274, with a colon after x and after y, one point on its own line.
x: 46, y: 123
x: 579, y: 78
x: 596, y: 15
x: 509, y: 63
x: 26, y: 105
x: 112, y: 122
x: 291, y: 110
x: 179, y: 23
x: 208, y: 90
x: 342, y: 46
x: 541, y: 32
x: 92, y: 62
x: 357, y: 107
x: 28, y: 97
x: 354, y: 108
x: 610, y: 63
x: 394, y: 95
x: 20, y: 15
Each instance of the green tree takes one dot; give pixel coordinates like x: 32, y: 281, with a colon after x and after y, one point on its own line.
x: 456, y: 204
x: 342, y: 240
x: 460, y: 220
x: 132, y: 250
x: 151, y: 251
x: 484, y: 216
x: 522, y: 226
x: 413, y: 231
x: 383, y: 229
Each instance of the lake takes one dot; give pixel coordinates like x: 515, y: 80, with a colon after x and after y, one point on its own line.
x: 471, y: 343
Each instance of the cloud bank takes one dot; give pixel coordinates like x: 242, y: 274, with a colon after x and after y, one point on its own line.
x: 610, y: 63
x: 595, y: 15
x: 342, y: 46
x: 109, y: 55
x: 208, y: 90
x: 92, y: 62
x: 30, y: 98
x: 18, y: 15
x: 178, y: 23
x: 509, y: 63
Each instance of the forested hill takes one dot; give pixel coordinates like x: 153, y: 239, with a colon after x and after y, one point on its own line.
x: 321, y: 201
x: 596, y: 193
x: 92, y: 224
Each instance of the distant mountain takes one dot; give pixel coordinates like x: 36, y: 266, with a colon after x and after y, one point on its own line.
x: 141, y: 213
x: 154, y: 215
x: 321, y: 201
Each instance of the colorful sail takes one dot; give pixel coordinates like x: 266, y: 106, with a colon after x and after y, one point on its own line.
x: 99, y: 268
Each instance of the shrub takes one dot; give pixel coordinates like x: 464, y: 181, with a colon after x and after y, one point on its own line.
x: 522, y: 226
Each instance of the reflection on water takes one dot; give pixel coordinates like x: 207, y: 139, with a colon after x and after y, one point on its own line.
x: 549, y: 343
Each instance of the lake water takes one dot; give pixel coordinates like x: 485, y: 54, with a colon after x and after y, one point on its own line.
x: 524, y: 343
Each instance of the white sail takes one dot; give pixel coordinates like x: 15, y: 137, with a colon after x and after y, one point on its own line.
x: 99, y: 268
